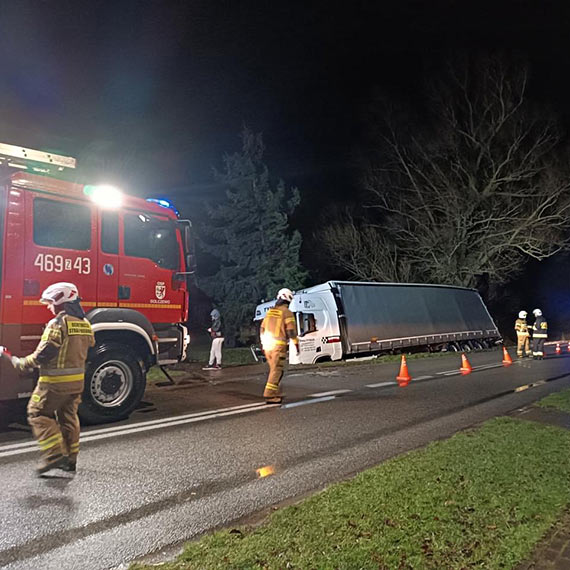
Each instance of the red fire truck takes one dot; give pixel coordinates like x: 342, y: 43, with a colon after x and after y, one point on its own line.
x: 129, y: 257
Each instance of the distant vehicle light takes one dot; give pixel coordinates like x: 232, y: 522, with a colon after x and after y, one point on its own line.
x: 105, y: 196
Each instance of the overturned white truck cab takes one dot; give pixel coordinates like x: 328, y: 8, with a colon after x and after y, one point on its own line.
x: 344, y: 319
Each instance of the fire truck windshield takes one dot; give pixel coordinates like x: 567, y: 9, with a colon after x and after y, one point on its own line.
x: 152, y: 238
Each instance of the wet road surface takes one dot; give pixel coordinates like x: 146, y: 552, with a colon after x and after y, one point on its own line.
x: 192, y: 458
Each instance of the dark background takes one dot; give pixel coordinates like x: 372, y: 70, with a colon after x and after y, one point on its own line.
x: 149, y: 95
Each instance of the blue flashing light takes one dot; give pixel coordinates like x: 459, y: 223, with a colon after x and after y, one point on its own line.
x: 164, y: 203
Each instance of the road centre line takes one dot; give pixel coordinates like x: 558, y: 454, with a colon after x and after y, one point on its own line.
x: 331, y: 393
x: 445, y: 372
x: 481, y: 367
x: 380, y: 384
x: 311, y: 401
x: 420, y: 378
x: 147, y: 423
x: 175, y: 418
x: 27, y: 447
x: 488, y: 366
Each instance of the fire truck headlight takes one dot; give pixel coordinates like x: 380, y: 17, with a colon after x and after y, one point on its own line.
x: 105, y: 196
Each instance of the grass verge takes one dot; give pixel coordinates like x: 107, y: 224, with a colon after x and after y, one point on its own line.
x: 480, y: 499
x: 156, y: 375
x: 559, y: 401
x: 230, y: 356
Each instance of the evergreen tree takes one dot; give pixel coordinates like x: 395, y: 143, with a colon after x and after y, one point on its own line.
x: 249, y: 235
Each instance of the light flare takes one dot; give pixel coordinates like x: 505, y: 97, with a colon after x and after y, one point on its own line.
x: 265, y: 471
x: 105, y: 196
x: 267, y: 341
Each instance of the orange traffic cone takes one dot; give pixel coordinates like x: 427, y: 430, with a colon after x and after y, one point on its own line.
x: 404, y: 377
x: 465, y: 366
x: 558, y: 351
x: 507, y: 360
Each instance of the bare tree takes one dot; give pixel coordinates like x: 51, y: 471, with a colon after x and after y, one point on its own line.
x: 478, y: 190
x: 364, y: 251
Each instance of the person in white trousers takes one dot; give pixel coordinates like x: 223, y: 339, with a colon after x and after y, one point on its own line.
x: 215, y: 362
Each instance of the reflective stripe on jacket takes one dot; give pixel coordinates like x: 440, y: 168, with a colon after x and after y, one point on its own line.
x: 62, y: 350
x: 540, y: 328
x: 521, y: 327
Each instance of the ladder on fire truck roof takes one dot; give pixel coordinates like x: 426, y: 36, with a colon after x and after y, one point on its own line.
x: 34, y: 160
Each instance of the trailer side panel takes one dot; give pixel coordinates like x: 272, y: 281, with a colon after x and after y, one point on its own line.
x: 381, y: 313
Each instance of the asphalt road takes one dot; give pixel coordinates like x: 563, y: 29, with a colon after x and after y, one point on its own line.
x: 193, y: 460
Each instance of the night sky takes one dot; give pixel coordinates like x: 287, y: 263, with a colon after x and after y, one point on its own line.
x: 165, y: 87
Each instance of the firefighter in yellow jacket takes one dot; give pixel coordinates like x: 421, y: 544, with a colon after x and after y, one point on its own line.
x: 523, y: 342
x: 277, y: 328
x: 60, y: 357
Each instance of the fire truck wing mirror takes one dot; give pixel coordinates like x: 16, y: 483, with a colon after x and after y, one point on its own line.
x: 186, y: 234
x: 188, y: 238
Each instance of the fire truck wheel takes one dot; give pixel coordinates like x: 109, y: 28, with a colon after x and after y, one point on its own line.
x: 114, y: 385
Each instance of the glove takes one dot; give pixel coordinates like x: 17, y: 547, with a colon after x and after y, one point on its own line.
x: 16, y: 361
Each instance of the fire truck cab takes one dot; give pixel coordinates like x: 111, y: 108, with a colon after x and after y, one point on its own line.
x: 129, y: 258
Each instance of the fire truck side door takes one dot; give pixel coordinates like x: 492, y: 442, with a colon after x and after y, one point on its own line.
x: 60, y: 246
x: 151, y: 257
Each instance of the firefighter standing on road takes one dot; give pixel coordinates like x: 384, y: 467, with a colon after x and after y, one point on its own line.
x: 60, y: 357
x: 277, y: 328
x: 539, y: 334
x: 523, y: 343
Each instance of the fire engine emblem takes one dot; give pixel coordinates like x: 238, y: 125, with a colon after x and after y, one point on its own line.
x: 160, y: 290
x: 108, y: 269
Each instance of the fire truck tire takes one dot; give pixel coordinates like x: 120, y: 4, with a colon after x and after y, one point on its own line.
x: 114, y: 384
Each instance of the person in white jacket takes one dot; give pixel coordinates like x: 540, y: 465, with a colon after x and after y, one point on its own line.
x: 215, y: 361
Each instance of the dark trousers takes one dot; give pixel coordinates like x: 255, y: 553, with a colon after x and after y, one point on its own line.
x: 538, y: 346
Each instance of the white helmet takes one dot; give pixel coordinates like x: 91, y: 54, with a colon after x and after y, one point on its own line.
x: 285, y: 295
x: 59, y: 293
x: 522, y: 315
x: 537, y: 313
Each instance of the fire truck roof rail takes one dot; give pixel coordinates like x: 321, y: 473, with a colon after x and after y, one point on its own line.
x: 34, y: 160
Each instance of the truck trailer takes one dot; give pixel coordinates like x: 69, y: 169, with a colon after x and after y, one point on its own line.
x: 343, y: 319
x: 129, y: 258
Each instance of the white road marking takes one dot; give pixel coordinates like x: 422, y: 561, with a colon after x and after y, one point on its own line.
x: 28, y: 447
x: 420, y: 378
x: 457, y: 371
x: 311, y: 401
x: 175, y: 418
x: 331, y: 393
x: 380, y: 384
x: 487, y: 366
